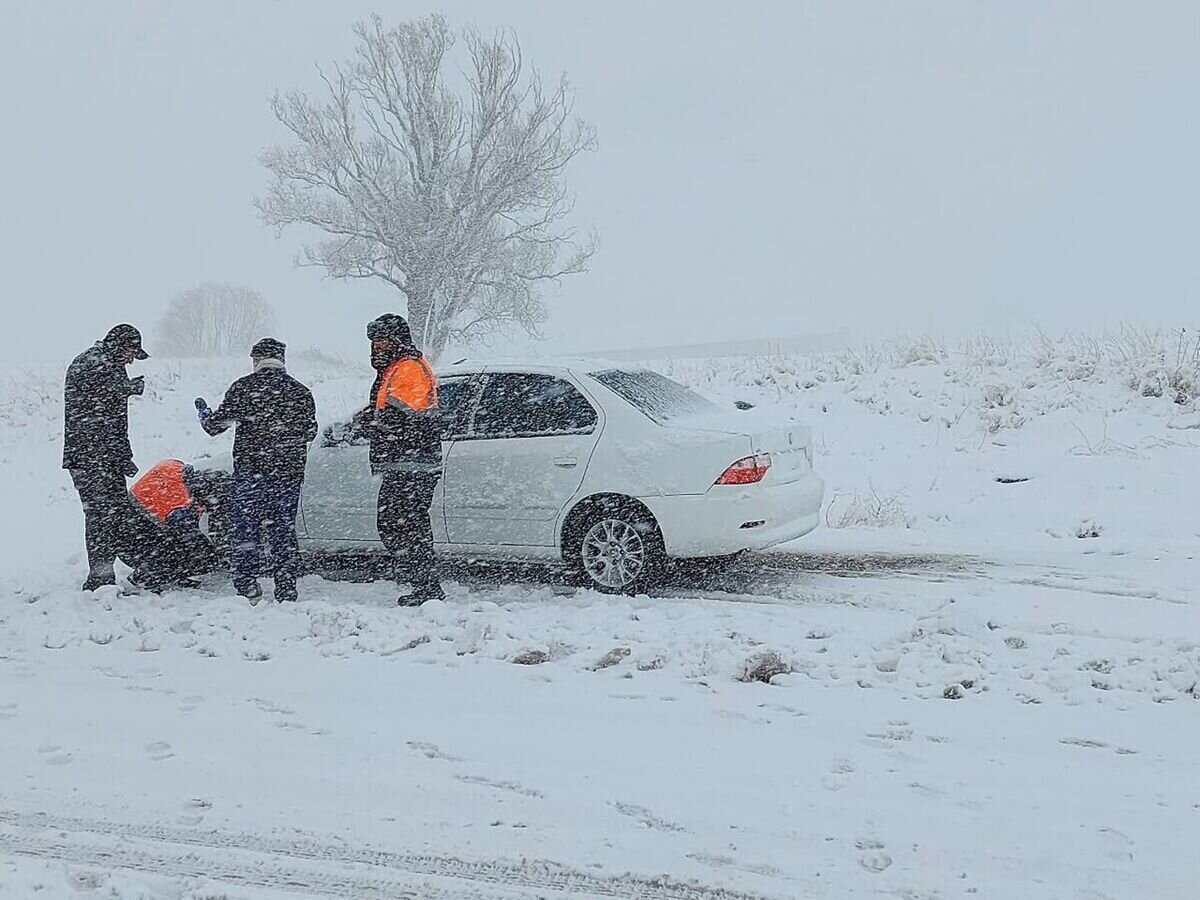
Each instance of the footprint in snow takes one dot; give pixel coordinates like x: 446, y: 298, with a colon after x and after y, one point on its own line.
x: 927, y: 790
x: 511, y: 787
x: 840, y: 774
x: 159, y: 750
x: 270, y: 706
x: 721, y: 861
x: 872, y: 858
x: 1117, y: 845
x: 55, y: 755
x: 892, y: 734
x: 1084, y: 742
x: 645, y: 817
x: 782, y: 708
x: 432, y: 751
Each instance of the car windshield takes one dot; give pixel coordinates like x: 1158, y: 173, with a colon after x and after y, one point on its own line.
x: 660, y: 398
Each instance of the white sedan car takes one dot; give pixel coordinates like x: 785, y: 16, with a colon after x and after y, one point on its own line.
x: 611, y: 469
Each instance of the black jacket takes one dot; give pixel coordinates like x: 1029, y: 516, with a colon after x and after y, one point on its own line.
x: 96, y: 412
x: 276, y: 419
x: 404, y: 440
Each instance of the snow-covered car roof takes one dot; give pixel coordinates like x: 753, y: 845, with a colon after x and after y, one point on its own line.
x: 545, y: 364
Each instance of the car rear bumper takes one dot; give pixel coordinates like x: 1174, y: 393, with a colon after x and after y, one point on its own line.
x: 731, y: 518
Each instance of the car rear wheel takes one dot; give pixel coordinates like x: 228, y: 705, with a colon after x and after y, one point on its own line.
x: 616, y: 549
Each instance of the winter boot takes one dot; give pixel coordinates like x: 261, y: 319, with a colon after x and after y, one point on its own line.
x: 251, y: 591
x: 147, y: 581
x: 431, y: 590
x: 97, y: 580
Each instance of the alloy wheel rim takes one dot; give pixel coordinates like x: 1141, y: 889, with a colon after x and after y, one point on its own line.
x: 614, y: 553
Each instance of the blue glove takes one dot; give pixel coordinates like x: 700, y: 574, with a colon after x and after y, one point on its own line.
x: 203, y: 411
x: 184, y: 517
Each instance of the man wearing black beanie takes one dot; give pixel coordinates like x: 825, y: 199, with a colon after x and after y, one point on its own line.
x: 276, y: 420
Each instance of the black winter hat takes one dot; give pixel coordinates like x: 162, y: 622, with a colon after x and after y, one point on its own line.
x: 268, y: 348
x: 390, y: 327
x: 125, y: 337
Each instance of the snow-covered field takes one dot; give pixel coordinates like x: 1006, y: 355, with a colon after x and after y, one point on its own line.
x: 991, y: 657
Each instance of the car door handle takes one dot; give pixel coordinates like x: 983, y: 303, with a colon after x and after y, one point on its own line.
x: 566, y: 462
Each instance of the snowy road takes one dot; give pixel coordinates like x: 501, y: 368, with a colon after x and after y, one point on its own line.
x: 950, y: 722
x: 312, y: 867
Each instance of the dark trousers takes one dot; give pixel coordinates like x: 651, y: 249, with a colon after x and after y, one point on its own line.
x: 182, y: 550
x: 263, y: 507
x: 108, y: 519
x: 403, y: 522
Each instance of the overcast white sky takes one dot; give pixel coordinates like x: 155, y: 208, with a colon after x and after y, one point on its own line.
x: 764, y: 168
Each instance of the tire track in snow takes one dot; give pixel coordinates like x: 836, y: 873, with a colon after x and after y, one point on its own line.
x: 311, y: 866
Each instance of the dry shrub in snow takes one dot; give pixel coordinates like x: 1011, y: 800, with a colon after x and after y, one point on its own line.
x: 611, y: 658
x: 868, y: 510
x: 763, y: 667
x: 1000, y: 409
x: 1104, y: 445
x: 531, y: 658
x: 29, y: 396
x: 916, y: 352
x: 1159, y: 364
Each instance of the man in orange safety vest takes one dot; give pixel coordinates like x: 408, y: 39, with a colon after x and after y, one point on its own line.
x: 406, y: 449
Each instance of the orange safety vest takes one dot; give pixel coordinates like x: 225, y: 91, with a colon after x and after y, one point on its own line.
x: 161, y: 490
x: 411, y: 382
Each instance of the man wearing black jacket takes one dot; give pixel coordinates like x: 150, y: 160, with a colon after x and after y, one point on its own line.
x: 406, y: 448
x: 276, y: 420
x: 96, y: 448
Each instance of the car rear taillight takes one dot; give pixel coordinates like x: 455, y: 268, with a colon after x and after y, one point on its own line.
x: 747, y: 470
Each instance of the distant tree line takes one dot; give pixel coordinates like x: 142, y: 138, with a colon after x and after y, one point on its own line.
x: 214, y: 320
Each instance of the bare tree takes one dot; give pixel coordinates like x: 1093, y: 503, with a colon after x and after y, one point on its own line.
x: 215, y: 320
x: 454, y: 198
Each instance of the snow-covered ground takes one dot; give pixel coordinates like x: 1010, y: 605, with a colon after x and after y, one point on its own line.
x: 992, y: 655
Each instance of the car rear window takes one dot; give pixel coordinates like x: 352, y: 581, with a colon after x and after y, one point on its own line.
x: 660, y: 398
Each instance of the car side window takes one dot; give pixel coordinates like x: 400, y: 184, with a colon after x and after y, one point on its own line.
x: 455, y: 399
x: 528, y: 405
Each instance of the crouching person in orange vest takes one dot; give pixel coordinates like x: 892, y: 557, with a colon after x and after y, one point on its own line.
x: 175, y: 495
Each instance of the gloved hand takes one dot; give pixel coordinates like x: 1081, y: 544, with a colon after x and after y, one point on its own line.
x: 203, y: 410
x: 131, y: 469
x: 137, y: 386
x: 184, y: 517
